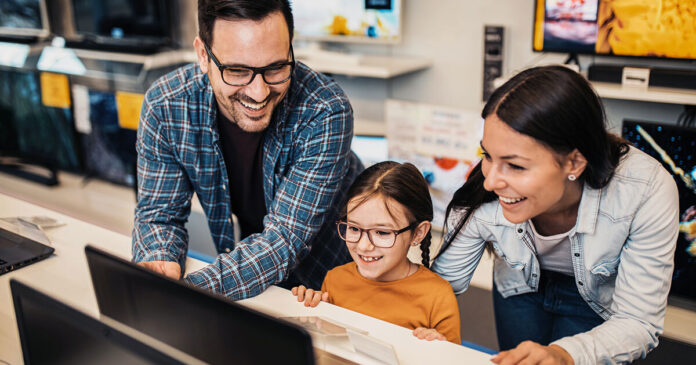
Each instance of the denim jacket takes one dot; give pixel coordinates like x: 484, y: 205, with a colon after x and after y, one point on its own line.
x: 622, y: 250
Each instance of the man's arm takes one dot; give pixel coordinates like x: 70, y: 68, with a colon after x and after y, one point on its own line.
x: 301, y: 205
x: 164, y: 195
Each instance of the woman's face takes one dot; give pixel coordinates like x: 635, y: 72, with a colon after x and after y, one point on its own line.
x: 528, y: 177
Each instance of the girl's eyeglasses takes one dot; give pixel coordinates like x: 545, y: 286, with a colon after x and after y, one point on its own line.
x: 379, y: 237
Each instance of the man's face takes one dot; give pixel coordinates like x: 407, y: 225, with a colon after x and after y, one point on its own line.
x: 252, y: 44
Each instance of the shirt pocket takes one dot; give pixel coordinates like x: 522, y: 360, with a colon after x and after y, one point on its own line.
x: 605, y: 270
x: 512, y: 263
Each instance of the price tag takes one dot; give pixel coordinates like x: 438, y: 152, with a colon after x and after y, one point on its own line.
x: 55, y: 90
x: 129, y: 105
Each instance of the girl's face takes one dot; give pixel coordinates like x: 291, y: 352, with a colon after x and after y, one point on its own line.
x: 529, y: 178
x: 377, y: 263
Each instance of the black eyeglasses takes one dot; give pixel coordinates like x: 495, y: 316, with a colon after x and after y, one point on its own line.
x: 274, y: 74
x: 379, y: 237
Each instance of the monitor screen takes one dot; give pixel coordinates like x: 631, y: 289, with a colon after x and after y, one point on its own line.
x: 204, y: 325
x: 52, y: 332
x: 618, y: 27
x: 348, y: 20
x: 675, y: 147
x: 128, y: 22
x: 370, y: 149
x: 23, y: 18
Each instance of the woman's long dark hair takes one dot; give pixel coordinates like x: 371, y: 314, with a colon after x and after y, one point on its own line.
x: 403, y: 183
x: 559, y: 109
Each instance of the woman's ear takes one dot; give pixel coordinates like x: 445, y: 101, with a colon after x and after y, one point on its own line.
x: 575, y: 163
x: 420, y: 232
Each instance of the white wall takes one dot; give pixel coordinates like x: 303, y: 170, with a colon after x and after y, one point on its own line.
x: 450, y: 33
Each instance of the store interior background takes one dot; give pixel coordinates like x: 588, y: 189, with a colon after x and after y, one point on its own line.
x: 447, y: 32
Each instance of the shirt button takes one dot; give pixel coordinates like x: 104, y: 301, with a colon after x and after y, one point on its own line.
x: 534, y: 275
x: 577, y: 254
x: 519, y: 230
x: 224, y: 187
x: 580, y: 283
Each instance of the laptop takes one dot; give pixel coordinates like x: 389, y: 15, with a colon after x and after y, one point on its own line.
x: 52, y: 332
x: 18, y: 251
x: 204, y: 325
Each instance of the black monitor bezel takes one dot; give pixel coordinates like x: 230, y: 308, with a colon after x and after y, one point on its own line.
x: 93, y: 326
x: 204, y: 295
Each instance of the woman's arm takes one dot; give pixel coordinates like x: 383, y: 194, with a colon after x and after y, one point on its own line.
x: 642, y: 283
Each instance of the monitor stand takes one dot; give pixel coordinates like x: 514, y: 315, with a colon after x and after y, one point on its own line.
x: 572, y: 59
x: 316, y: 53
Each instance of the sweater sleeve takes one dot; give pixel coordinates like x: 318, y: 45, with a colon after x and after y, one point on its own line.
x: 445, y: 315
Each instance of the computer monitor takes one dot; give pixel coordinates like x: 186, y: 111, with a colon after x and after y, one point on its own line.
x: 370, y: 149
x: 361, y: 21
x: 52, y: 332
x: 23, y: 18
x: 140, y: 26
x: 615, y: 28
x: 204, y: 325
x: 675, y: 147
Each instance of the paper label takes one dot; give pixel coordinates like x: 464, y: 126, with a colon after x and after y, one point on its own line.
x: 55, y: 90
x: 129, y: 105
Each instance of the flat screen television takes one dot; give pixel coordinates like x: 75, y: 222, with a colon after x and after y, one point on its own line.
x: 361, y: 21
x: 139, y: 26
x: 675, y: 147
x: 23, y: 18
x: 639, y: 28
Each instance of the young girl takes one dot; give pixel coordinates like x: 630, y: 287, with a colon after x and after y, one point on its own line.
x: 388, y: 210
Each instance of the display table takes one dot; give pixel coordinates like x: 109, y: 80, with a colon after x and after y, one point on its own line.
x: 65, y: 276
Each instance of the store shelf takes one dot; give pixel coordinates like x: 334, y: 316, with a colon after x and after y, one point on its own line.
x: 651, y: 94
x: 381, y: 67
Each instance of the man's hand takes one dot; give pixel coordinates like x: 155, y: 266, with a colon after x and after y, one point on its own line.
x: 310, y: 297
x: 529, y: 352
x: 428, y: 334
x: 166, y: 268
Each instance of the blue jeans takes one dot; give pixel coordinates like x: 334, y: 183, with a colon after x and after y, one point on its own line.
x: 556, y: 310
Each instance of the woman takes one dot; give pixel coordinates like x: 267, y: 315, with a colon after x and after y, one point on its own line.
x: 583, y: 226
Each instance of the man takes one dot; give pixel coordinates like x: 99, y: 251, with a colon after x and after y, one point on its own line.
x: 253, y: 133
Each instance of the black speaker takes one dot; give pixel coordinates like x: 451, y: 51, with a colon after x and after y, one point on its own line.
x: 659, y: 77
x: 605, y: 73
x: 665, y: 77
x: 492, y: 58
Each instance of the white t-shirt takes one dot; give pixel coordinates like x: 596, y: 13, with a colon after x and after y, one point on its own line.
x: 553, y: 252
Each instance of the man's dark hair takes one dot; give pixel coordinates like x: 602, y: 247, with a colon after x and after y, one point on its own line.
x: 211, y: 10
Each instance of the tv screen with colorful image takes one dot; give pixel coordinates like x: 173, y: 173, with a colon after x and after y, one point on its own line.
x: 643, y: 28
x: 23, y: 18
x: 675, y: 147
x: 348, y: 20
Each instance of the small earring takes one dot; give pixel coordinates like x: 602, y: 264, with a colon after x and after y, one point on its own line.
x: 414, y: 243
x: 571, y: 177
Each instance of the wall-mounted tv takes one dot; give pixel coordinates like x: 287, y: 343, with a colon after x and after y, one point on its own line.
x: 360, y: 21
x: 639, y: 28
x: 675, y: 147
x: 140, y: 26
x: 23, y: 18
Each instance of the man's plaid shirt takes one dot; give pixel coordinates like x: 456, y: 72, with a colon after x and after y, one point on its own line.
x: 307, y: 169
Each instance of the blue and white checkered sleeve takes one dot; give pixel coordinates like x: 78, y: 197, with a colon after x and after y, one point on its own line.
x: 164, y: 192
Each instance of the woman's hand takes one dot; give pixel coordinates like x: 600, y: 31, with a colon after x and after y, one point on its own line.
x: 428, y: 334
x: 310, y: 297
x: 529, y: 352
